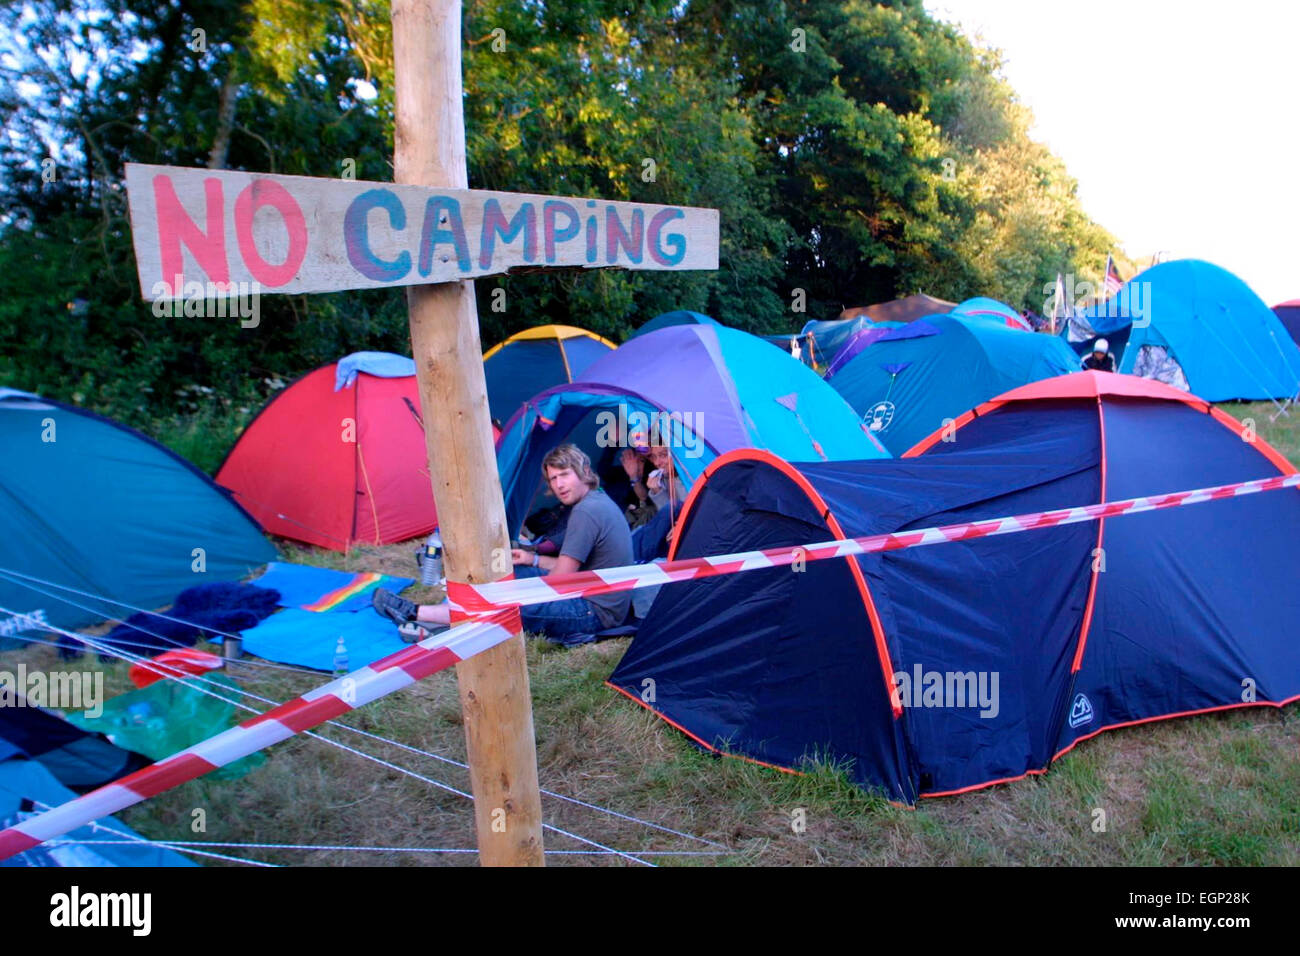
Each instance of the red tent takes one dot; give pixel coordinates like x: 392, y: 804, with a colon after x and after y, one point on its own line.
x: 336, y: 468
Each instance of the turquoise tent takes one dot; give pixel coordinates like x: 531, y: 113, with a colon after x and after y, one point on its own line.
x: 26, y: 785
x: 724, y: 388
x: 1195, y: 326
x: 992, y: 309
x: 907, y: 382
x: 829, y: 336
x: 666, y: 320
x: 97, y: 520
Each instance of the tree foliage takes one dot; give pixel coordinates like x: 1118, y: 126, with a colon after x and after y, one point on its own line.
x: 856, y: 151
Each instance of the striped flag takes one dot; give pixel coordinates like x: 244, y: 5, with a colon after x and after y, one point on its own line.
x: 1112, y: 280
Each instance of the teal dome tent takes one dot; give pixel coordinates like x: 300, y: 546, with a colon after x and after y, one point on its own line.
x: 905, y: 383
x: 97, y: 520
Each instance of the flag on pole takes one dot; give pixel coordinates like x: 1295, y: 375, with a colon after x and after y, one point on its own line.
x: 1112, y: 280
x: 1061, y: 311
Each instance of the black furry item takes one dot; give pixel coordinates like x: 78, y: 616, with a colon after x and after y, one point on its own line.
x: 206, y: 610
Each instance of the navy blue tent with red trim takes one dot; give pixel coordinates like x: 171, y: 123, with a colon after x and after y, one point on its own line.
x: 1083, y: 627
x: 1288, y: 313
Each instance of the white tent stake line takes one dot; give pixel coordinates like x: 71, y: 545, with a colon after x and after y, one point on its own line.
x: 158, y: 669
x: 499, y: 621
x: 600, y: 848
x: 137, y: 840
x: 185, y: 845
x: 280, y: 723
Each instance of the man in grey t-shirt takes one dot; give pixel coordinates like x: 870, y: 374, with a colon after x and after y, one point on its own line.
x: 597, y: 536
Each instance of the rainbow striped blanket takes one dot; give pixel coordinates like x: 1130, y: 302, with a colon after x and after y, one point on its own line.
x: 321, y: 589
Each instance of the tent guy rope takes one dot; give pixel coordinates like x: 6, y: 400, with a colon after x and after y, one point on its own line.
x: 495, y: 618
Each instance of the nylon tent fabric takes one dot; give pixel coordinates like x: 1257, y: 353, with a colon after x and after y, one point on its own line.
x: 775, y: 667
x: 906, y: 387
x: 993, y: 310
x: 906, y: 309
x: 336, y: 468
x: 1288, y: 313
x: 829, y: 336
x: 77, y: 759
x: 27, y: 787
x: 1228, y: 343
x: 534, y: 360
x: 666, y: 320
x: 866, y: 337
x: 89, y: 504
x: 730, y: 389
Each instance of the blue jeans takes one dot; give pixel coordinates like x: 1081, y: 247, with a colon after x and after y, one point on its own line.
x: 570, y: 622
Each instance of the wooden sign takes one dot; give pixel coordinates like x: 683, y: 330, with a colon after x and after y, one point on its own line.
x: 294, y: 234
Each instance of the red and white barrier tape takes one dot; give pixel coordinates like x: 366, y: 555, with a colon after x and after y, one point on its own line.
x: 494, y: 610
x: 280, y: 723
x: 473, y: 599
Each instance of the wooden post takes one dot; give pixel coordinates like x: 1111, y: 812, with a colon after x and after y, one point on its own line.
x: 494, y: 692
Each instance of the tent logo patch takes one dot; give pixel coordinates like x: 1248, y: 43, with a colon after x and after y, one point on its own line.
x: 879, y: 416
x: 1080, y: 712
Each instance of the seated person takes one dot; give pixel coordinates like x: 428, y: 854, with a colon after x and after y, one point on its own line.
x: 596, y: 537
x: 662, y: 484
x: 1100, y: 358
x: 636, y: 464
x: 654, y: 538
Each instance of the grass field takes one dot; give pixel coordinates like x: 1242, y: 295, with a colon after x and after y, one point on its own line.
x: 1218, y: 789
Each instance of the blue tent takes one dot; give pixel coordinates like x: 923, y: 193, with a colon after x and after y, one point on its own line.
x: 1197, y: 327
x: 26, y: 785
x: 932, y: 670
x: 729, y: 389
x: 534, y: 360
x: 829, y: 336
x: 666, y: 320
x: 993, y: 310
x: 1288, y: 313
x: 93, y: 513
x: 907, y: 382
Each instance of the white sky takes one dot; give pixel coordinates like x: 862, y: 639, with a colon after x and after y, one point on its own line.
x: 1180, y: 119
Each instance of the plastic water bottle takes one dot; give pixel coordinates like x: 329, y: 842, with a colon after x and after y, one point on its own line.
x: 340, y: 658
x: 144, y: 719
x: 140, y: 712
x: 431, y: 561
